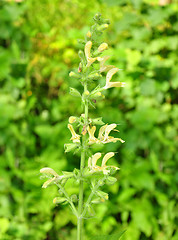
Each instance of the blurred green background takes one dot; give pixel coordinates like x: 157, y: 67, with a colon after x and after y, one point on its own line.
x: 38, y: 49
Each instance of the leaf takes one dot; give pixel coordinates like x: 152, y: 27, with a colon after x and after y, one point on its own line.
x: 115, y: 236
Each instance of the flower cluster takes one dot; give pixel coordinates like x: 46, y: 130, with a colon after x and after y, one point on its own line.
x: 50, y: 171
x: 91, y: 67
x: 103, y: 68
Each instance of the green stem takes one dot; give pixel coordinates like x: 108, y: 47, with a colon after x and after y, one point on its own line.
x: 89, y: 199
x: 82, y: 165
x: 68, y: 198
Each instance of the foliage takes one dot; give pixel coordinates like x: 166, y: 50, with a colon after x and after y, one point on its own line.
x: 38, y: 48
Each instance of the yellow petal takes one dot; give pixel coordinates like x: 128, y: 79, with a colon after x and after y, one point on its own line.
x: 109, y: 76
x: 101, y: 131
x: 91, y: 132
x: 116, y: 84
x: 106, y: 157
x: 102, y: 47
x: 110, y: 139
x: 95, y: 158
x: 90, y: 162
x: 109, y: 128
x: 88, y: 46
x: 49, y: 171
x: 46, y: 184
x: 104, y: 68
x: 75, y: 137
x: 88, y: 34
x: 102, y: 60
x: 90, y: 61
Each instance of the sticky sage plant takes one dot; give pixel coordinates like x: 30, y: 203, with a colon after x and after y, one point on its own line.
x: 92, y: 67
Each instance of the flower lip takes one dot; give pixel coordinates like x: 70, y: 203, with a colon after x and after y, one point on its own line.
x: 75, y: 137
x: 90, y: 60
x: 109, y: 77
x: 91, y: 132
x: 95, y: 168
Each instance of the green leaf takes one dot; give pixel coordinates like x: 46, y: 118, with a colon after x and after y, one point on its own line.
x: 4, y: 223
x: 115, y: 236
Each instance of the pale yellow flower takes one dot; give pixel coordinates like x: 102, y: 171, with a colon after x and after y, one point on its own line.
x: 101, y: 132
x: 104, y: 134
x: 95, y: 168
x: 104, y: 68
x: 48, y: 182
x: 51, y: 172
x: 90, y: 60
x: 108, y: 79
x: 75, y: 137
x: 91, y: 132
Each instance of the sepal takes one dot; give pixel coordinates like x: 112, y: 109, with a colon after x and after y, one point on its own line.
x: 97, y: 121
x: 68, y: 147
x: 102, y: 195
x: 110, y: 180
x: 59, y: 200
x: 74, y: 92
x: 74, y: 198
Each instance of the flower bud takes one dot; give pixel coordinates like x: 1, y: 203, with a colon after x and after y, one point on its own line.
x: 97, y: 95
x: 102, y: 47
x: 73, y: 74
x: 74, y: 198
x: 86, y: 94
x: 80, y: 67
x: 88, y: 34
x: 102, y: 195
x: 59, y: 200
x: 102, y: 27
x: 72, y: 119
x: 70, y: 147
x: 94, y: 76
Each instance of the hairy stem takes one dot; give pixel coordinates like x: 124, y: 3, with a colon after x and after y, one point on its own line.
x: 82, y: 165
